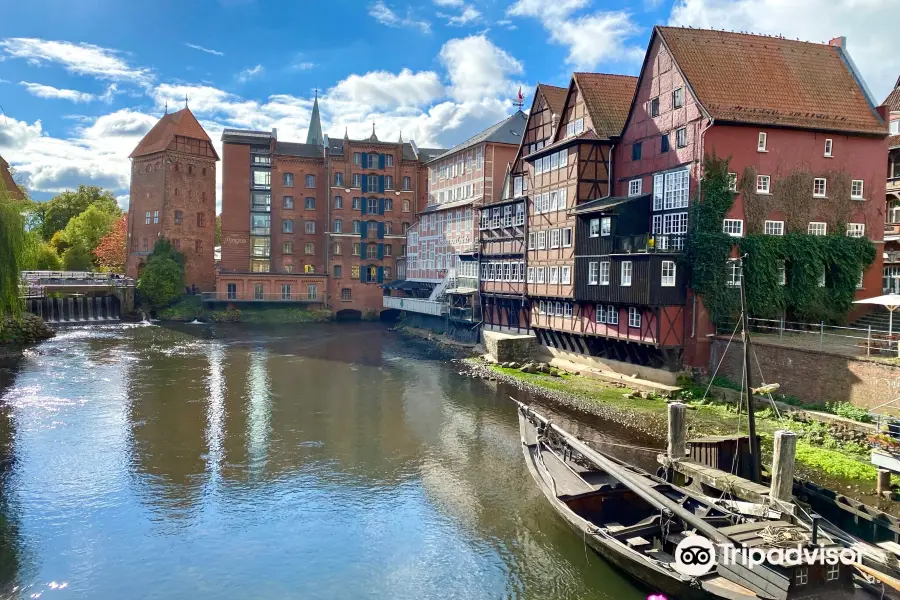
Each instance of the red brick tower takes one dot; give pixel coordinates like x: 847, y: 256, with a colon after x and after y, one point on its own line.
x: 173, y: 195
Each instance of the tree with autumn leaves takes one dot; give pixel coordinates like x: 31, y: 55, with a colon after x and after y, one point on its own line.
x: 110, y: 251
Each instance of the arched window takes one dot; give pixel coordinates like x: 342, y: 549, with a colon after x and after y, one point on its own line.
x: 372, y: 229
x: 338, y: 226
x: 338, y: 202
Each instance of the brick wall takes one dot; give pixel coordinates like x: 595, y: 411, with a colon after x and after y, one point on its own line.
x: 813, y: 376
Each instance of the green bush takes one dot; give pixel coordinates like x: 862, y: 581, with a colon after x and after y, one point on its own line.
x: 850, y: 411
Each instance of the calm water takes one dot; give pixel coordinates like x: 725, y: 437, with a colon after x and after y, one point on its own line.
x: 335, y: 461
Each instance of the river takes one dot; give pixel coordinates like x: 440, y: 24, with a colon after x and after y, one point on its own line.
x: 324, y: 461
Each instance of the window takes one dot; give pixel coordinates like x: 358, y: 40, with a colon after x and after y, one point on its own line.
x: 612, y: 315
x: 593, y: 273
x: 832, y: 572
x: 600, y: 314
x: 541, y: 240
x: 388, y: 228
x: 828, y: 146
x: 606, y: 226
x: 817, y: 228
x: 357, y: 158
x: 232, y: 291
x: 532, y: 240
x: 357, y: 180
x: 285, y: 291
x: 761, y: 142
x: 507, y: 215
x: 312, y: 292
x: 819, y: 184
x: 178, y: 217
x: 388, y: 182
x: 287, y: 179
x: 762, y: 184
x: 668, y: 273
x: 782, y: 272
x: 388, y: 250
x: 539, y: 274
x: 357, y: 227
x: 604, y: 272
x: 801, y: 576
x: 338, y: 249
x: 345, y: 292
x: 387, y: 273
x: 407, y: 184
x: 258, y: 291
x: 635, y: 151
x: 371, y: 250
x: 634, y: 187
x: 856, y: 229
x: 625, y: 273
x: 356, y: 204
x: 732, y: 273
x: 554, y: 274
x: 310, y: 248
x: 406, y: 206
x: 156, y: 217
x: 681, y: 137
x: 856, y: 189
x: 567, y: 237
x: 310, y: 226
x: 773, y: 228
x: 201, y: 219
x: 895, y: 126
x: 555, y: 235
x: 310, y: 203
x: 520, y: 214
x: 288, y: 202
x: 733, y: 227
x: 565, y: 275
x: 354, y: 272
x: 337, y: 270
x: 530, y: 278
x: 198, y: 246
x: 287, y: 226
x: 372, y: 206
x: 677, y: 188
x: 338, y: 202
x: 654, y: 107
x: 287, y: 248
x: 372, y: 182
x: 260, y: 246
x: 678, y: 98
x: 579, y: 125
x: 388, y: 160
x: 732, y: 182
x: 261, y: 201
x: 356, y: 249
x: 664, y: 143
x: 634, y: 317
x: 339, y: 179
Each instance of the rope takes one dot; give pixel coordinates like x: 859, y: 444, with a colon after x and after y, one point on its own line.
x: 781, y: 537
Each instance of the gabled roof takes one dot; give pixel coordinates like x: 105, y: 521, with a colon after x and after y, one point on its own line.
x: 607, y: 99
x: 893, y: 99
x: 507, y: 131
x: 743, y: 78
x: 555, y: 96
x: 182, y: 123
x: 296, y: 149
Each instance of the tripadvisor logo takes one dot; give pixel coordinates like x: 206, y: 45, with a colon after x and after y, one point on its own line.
x: 696, y: 556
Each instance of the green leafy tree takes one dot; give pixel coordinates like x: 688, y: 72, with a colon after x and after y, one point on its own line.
x: 77, y: 258
x: 12, y: 252
x: 162, y: 278
x: 63, y: 208
x: 46, y: 259
x: 218, y: 230
x: 84, y: 232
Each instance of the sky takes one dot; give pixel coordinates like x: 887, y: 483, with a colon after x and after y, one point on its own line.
x: 81, y: 82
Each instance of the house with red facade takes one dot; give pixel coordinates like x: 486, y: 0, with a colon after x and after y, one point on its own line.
x: 891, y: 273
x: 775, y: 107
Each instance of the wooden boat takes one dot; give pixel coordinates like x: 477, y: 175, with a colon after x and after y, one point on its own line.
x: 635, y: 521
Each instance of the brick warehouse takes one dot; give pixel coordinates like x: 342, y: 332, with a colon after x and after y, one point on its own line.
x: 173, y: 195
x: 322, y: 222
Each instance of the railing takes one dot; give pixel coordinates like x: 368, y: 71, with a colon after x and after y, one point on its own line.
x: 261, y: 207
x: 458, y: 313
x: 467, y: 282
x: 850, y: 341
x: 74, y: 278
x: 893, y: 184
x: 260, y: 231
x: 419, y: 305
x: 646, y: 243
x: 254, y: 297
x: 438, y: 291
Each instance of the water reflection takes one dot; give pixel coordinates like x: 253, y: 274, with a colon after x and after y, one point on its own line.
x: 315, y: 462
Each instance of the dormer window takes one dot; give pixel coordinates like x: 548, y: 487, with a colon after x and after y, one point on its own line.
x: 761, y: 142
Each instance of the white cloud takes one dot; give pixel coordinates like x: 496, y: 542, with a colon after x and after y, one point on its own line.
x: 870, y: 35
x: 48, y: 91
x: 478, y: 69
x: 202, y: 49
x: 591, y: 38
x: 449, y: 2
x: 123, y: 201
x: 386, y: 16
x: 468, y: 15
x: 79, y: 59
x: 381, y: 89
x: 250, y: 72
x: 303, y: 66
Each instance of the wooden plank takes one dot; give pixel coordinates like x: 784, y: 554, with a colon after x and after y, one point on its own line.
x: 744, y: 527
x: 637, y: 542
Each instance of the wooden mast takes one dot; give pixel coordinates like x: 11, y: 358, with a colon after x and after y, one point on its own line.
x: 751, y: 418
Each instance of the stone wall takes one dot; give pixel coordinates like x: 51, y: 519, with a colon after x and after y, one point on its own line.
x: 547, y: 354
x: 812, y: 375
x: 507, y: 347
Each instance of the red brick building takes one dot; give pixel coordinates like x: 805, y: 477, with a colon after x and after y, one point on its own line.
x: 775, y: 107
x: 891, y: 273
x: 321, y: 222
x: 173, y: 196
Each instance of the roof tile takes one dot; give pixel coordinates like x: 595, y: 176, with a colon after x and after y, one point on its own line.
x: 607, y: 99
x: 182, y: 123
x: 555, y: 96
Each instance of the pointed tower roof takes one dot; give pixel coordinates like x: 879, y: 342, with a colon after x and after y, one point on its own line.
x: 314, y: 134
x: 373, y: 137
x: 182, y: 123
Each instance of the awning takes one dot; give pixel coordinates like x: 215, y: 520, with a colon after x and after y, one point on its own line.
x: 604, y: 204
x: 409, y: 286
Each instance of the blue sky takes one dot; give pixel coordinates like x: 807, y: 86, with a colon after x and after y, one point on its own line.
x: 81, y: 82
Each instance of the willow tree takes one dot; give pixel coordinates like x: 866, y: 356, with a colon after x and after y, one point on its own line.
x: 12, y: 250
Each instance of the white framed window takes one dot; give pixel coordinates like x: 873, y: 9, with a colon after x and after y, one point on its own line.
x: 485, y: 219
x: 508, y: 215
x: 832, y: 572
x: 555, y: 236
x: 761, y: 142
x: 567, y: 237
x: 732, y: 181
x: 606, y: 226
x: 829, y: 144
x: 554, y: 275
x: 801, y: 576
x: 600, y: 314
x: 677, y: 189
x: 634, y: 187
x: 507, y: 271
x: 733, y: 227
x: 817, y: 228
x: 625, y: 273
x: 657, y: 224
x: 773, y: 227
x: 565, y: 275
x: 733, y: 273
x: 532, y: 239
x: 579, y: 125
x: 593, y: 271
x: 612, y: 315
x: 677, y: 97
x: 634, y: 317
x: 530, y: 276
x: 520, y: 214
x: 819, y: 187
x: 782, y: 273
x: 541, y: 307
x: 763, y: 184
x: 604, y: 272
x: 567, y: 309
x: 539, y: 274
x: 668, y: 273
x: 658, y: 186
x: 856, y: 229
x: 542, y: 240
x: 559, y: 309
x: 856, y: 189
x: 594, y: 227
x: 681, y: 137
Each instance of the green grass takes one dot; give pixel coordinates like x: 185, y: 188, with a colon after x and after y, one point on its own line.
x: 833, y: 462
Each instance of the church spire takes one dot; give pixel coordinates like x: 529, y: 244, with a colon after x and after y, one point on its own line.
x: 314, y: 134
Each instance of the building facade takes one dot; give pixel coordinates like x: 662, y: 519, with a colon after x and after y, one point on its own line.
x: 173, y: 196
x: 891, y: 271
x: 322, y: 222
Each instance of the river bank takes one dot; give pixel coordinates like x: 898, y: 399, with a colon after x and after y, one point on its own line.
x: 190, y: 308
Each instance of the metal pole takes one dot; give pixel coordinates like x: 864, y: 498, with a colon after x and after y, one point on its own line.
x: 781, y: 328
x: 751, y: 417
x: 821, y: 335
x: 869, y: 342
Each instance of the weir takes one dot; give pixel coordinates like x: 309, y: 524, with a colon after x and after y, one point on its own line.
x: 76, y: 309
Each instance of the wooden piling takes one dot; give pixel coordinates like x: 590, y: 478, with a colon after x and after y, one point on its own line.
x: 677, y: 447
x: 783, y: 465
x: 883, y: 483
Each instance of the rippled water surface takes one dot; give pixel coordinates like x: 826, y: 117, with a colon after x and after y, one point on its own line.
x: 334, y: 461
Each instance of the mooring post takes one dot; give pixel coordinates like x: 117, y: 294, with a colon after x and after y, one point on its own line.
x: 677, y: 447
x: 869, y: 342
x: 883, y: 483
x: 821, y: 335
x: 783, y: 465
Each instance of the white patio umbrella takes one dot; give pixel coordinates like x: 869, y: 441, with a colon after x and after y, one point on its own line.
x: 890, y: 302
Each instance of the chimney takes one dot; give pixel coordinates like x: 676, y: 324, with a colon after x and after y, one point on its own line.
x: 274, y: 133
x: 554, y: 121
x: 839, y: 42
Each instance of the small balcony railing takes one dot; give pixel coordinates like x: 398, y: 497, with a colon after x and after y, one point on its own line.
x: 419, y: 305
x: 893, y: 184
x: 259, y: 207
x: 645, y: 243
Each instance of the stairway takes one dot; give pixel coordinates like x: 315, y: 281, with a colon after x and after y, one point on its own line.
x: 879, y: 319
